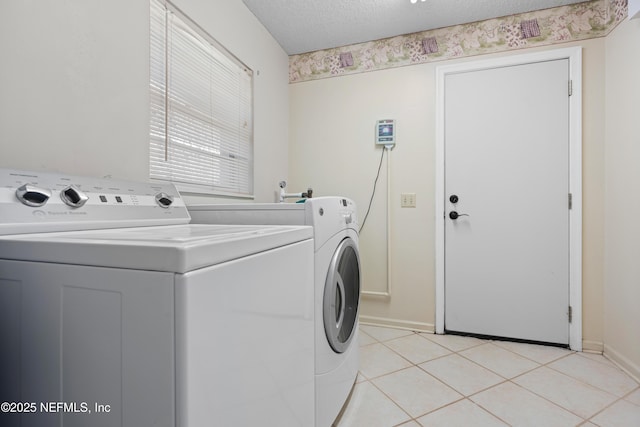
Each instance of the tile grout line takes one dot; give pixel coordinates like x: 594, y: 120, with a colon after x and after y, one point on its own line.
x: 510, y: 380
x: 464, y: 397
x: 540, y: 365
x: 506, y: 380
x: 586, y: 383
x: 614, y: 403
x: 415, y: 419
x: 451, y: 352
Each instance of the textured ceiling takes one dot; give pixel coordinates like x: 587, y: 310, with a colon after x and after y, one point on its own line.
x: 307, y: 25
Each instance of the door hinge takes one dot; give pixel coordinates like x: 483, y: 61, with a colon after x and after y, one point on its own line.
x: 570, y: 201
x: 570, y: 314
x: 570, y: 87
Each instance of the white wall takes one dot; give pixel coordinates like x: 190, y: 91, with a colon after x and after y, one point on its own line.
x: 74, y: 86
x: 332, y: 149
x: 622, y: 229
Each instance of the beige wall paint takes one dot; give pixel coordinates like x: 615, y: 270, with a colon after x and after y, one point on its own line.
x: 622, y: 201
x: 593, y: 141
x: 74, y: 86
x: 332, y: 149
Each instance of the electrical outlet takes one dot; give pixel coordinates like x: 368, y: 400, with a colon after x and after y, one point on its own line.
x: 408, y: 200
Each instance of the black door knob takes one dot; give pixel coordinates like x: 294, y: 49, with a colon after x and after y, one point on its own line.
x: 456, y: 215
x: 453, y: 198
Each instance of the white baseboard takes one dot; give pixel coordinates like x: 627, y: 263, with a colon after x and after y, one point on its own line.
x: 623, y: 363
x: 587, y: 346
x: 397, y: 323
x: 592, y: 346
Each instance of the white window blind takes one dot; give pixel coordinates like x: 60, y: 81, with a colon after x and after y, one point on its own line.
x: 201, y: 131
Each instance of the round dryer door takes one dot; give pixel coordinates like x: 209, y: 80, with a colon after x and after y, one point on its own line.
x: 341, y: 296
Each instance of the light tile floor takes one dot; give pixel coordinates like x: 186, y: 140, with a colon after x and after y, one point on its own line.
x: 414, y: 379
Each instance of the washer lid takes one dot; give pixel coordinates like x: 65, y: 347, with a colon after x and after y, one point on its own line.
x: 175, y: 248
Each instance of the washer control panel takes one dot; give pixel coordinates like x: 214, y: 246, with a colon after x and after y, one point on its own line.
x: 33, y: 202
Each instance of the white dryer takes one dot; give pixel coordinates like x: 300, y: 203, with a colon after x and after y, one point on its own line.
x: 114, y: 311
x: 337, y: 282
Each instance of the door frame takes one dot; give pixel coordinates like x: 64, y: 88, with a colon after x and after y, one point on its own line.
x: 574, y: 55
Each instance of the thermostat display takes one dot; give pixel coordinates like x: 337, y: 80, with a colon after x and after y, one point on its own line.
x: 385, y: 133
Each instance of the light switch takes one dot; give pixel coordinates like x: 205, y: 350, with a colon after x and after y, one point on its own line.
x: 408, y: 200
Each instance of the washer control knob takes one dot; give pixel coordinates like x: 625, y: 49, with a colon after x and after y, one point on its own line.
x: 72, y: 196
x: 348, y: 218
x: 31, y: 195
x: 164, y: 200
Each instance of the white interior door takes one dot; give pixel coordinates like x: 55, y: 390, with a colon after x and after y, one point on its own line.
x: 506, y: 159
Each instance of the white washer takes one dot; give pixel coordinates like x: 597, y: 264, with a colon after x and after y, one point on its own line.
x: 132, y: 317
x: 337, y: 281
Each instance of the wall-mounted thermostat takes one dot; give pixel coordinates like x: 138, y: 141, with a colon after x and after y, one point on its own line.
x: 386, y: 133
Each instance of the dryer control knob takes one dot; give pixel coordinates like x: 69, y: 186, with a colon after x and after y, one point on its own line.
x: 348, y: 218
x: 33, y: 196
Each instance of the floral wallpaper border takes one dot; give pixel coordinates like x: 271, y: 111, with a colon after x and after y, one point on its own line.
x: 590, y: 19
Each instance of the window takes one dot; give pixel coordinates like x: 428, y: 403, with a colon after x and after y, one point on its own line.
x: 201, y: 131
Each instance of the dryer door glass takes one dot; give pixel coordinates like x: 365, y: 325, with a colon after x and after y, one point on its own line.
x: 341, y: 296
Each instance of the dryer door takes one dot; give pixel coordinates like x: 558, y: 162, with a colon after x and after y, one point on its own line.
x: 341, y: 295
